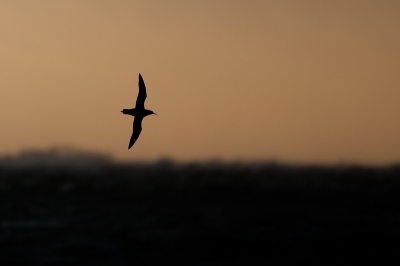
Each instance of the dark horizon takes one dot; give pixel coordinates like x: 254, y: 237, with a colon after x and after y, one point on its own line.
x: 93, y: 211
x: 73, y: 155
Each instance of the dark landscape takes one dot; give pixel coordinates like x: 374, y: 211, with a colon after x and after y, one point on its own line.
x: 71, y: 208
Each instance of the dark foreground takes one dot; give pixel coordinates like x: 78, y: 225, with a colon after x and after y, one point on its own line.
x: 198, y: 214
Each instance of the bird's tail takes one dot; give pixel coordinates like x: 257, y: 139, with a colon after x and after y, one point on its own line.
x: 125, y: 111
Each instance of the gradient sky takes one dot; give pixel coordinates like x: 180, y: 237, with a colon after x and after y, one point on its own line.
x: 293, y: 81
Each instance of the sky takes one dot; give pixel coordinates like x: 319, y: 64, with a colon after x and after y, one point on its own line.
x: 291, y: 81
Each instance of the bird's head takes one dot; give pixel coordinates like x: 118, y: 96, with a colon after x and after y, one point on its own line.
x: 148, y: 112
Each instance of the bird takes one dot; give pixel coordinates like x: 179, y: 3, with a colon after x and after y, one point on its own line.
x: 139, y: 112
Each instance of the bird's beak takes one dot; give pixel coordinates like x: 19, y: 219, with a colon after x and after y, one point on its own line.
x: 154, y: 113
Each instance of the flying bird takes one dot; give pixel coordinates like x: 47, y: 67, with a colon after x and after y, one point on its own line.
x: 139, y: 112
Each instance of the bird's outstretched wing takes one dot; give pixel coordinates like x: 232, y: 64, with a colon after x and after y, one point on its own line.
x: 137, y: 128
x: 142, y: 94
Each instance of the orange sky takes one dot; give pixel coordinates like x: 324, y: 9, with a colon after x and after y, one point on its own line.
x: 294, y: 81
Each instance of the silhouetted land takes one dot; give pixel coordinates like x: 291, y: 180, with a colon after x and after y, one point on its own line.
x: 92, y: 211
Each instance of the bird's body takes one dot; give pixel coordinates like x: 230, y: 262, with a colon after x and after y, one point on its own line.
x: 139, y: 112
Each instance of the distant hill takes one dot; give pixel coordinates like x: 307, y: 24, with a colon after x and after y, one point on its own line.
x: 57, y: 156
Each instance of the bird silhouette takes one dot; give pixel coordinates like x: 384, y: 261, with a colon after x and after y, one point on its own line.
x: 139, y: 112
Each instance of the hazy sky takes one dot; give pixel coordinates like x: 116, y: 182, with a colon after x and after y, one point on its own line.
x: 294, y: 81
